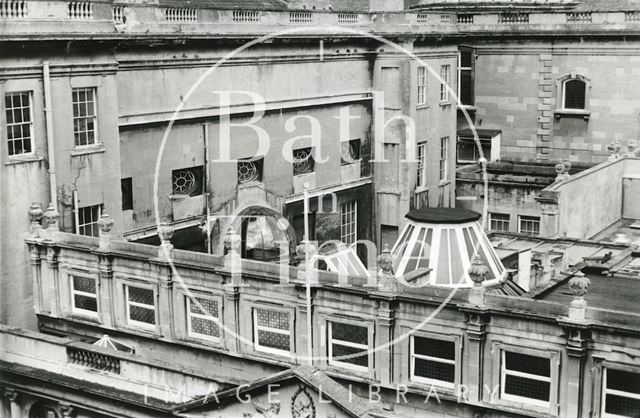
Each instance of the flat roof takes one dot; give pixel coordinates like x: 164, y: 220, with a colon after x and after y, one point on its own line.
x: 610, y: 293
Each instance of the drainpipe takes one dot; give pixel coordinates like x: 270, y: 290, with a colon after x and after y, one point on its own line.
x: 50, y: 142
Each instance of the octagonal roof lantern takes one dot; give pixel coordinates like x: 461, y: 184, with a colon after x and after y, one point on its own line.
x: 444, y: 241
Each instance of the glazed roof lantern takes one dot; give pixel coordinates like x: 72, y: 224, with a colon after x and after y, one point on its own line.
x: 446, y: 242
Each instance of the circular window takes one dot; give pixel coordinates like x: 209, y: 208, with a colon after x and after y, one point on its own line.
x: 247, y: 171
x: 302, y: 161
x: 184, y: 182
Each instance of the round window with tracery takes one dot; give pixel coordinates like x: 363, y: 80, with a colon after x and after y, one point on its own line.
x: 184, y: 182
x: 348, y: 153
x: 247, y: 171
x: 302, y: 161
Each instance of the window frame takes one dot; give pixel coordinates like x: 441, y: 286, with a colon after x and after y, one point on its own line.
x: 561, y: 110
x: 564, y: 95
x: 531, y: 218
x: 345, y: 226
x: 471, y: 71
x: 310, y: 159
x: 199, y: 177
x: 84, y: 225
x: 443, y: 162
x: 546, y: 350
x: 73, y: 292
x: 255, y: 328
x: 128, y: 181
x: 445, y: 76
x: 8, y: 125
x: 420, y: 380
x: 217, y: 320
x: 94, y: 116
x: 421, y: 85
x: 522, y: 399
x: 357, y: 144
x: 127, y: 302
x: 367, y: 349
x: 258, y: 162
x: 508, y: 221
x: 605, y: 366
x: 421, y: 169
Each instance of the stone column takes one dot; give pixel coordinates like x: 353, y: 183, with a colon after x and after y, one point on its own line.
x: 50, y: 282
x: 2, y: 410
x: 473, y: 371
x: 14, y: 401
x: 385, y: 320
x: 35, y: 260
x: 231, y: 317
x: 105, y: 289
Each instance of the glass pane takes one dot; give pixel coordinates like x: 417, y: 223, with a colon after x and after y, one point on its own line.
x: 340, y: 350
x: 528, y: 364
x: 273, y: 340
x: 87, y: 303
x: 527, y: 388
x: 137, y: 313
x: 443, y: 259
x: 426, y: 251
x: 205, y: 327
x: 273, y: 319
x: 415, y: 252
x: 574, y: 94
x: 620, y: 405
x: 139, y: 295
x: 84, y: 284
x: 204, y: 307
x: 434, y: 370
x: 457, y: 270
x: 623, y: 381
x: 351, y: 333
x: 434, y: 348
x: 466, y: 87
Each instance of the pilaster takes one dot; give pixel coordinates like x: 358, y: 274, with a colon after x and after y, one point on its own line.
x: 231, y: 317
x: 304, y: 335
x: 14, y: 402
x: 473, y: 373
x: 51, y: 282
x: 577, y: 337
x: 105, y: 289
x: 385, y: 320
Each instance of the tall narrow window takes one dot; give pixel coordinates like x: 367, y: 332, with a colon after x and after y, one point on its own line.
x: 271, y: 331
x: 421, y: 173
x: 84, y: 298
x: 445, y: 75
x: 88, y: 217
x: 574, y: 94
x: 444, y: 160
x: 141, y: 307
x: 349, y: 222
x: 422, y: 85
x: 620, y: 394
x: 529, y: 225
x: 348, y: 345
x: 525, y: 378
x: 433, y: 361
x: 126, y: 189
x: 466, y: 95
x: 19, y: 122
x: 84, y: 116
x: 203, y: 317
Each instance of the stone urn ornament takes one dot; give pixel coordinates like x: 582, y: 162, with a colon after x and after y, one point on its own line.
x: 386, y: 280
x: 478, y: 271
x: 35, y: 217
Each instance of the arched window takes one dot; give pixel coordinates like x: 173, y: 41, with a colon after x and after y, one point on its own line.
x: 42, y: 410
x: 574, y: 94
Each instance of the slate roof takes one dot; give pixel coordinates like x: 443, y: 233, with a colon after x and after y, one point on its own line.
x: 608, y: 5
x: 443, y: 215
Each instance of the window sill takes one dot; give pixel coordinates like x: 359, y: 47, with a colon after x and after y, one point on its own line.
x: 443, y: 183
x: 250, y: 184
x: 445, y: 103
x: 558, y: 113
x: 468, y: 108
x: 421, y: 189
x: 88, y: 149
x: 422, y: 106
x: 23, y: 159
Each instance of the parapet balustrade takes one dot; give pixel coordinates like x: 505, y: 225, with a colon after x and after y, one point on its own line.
x: 93, y: 360
x: 146, y: 18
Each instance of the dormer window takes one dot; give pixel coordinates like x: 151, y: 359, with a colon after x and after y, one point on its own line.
x: 574, y: 94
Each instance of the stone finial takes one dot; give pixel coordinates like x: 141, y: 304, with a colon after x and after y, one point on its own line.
x: 386, y: 280
x: 567, y: 169
x: 51, y: 217
x: 478, y: 271
x: 105, y: 224
x: 560, y: 168
x: 165, y: 232
x: 579, y: 285
x: 232, y: 242
x: 632, y: 147
x: 35, y: 216
x: 614, y: 149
